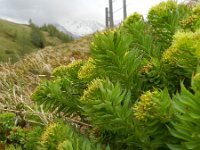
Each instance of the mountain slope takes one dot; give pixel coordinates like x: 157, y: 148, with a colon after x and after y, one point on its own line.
x: 15, y: 40
x: 79, y: 28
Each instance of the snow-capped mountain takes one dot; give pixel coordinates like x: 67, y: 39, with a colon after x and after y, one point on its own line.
x: 61, y: 28
x: 80, y: 28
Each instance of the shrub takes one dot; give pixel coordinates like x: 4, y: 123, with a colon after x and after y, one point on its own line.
x: 124, y: 93
x: 53, y: 31
x: 37, y: 37
x: 181, y: 59
x: 141, y: 38
x: 63, y: 93
x: 132, y: 19
x: 164, y: 21
x: 115, y: 59
x: 13, y: 136
x: 7, y: 122
x: 61, y: 136
x: 192, y: 22
x: 153, y: 113
x: 186, y: 122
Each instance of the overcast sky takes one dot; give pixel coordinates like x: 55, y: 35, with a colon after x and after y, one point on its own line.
x: 56, y: 11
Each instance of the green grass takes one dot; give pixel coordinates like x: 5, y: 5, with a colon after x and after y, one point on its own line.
x: 15, y: 41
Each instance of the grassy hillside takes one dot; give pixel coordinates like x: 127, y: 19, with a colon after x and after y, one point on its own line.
x: 21, y: 78
x: 15, y: 41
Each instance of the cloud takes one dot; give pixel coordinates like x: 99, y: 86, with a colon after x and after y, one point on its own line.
x: 51, y: 11
x: 42, y: 11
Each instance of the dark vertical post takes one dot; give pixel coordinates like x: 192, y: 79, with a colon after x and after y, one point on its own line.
x: 106, y: 13
x: 124, y: 9
x: 111, y: 13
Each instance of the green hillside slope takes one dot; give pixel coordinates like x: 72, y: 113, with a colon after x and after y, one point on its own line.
x: 15, y: 41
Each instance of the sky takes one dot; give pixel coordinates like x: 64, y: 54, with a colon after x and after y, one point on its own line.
x: 56, y: 11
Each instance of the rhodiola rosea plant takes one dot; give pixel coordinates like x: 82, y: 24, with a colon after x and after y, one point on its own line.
x: 126, y: 96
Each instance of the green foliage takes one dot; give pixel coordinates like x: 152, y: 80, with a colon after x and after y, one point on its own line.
x: 13, y: 136
x: 164, y: 21
x: 7, y: 118
x: 192, y: 23
x: 154, y: 112
x: 6, y: 123
x: 115, y: 59
x: 186, y: 123
x: 63, y: 93
x: 53, y: 31
x: 182, y: 57
x: 59, y: 95
x: 108, y: 107
x: 70, y: 71
x: 12, y: 147
x: 141, y: 38
x: 123, y: 95
x: 132, y: 19
x: 154, y: 75
x: 37, y: 36
x: 88, y: 71
x: 105, y: 103
x: 17, y: 136
x: 196, y: 9
x: 33, y: 138
x: 61, y: 136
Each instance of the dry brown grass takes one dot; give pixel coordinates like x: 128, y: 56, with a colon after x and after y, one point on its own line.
x: 18, y: 81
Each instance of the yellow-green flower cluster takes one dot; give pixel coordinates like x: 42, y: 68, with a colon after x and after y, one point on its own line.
x: 92, y: 88
x: 196, y: 10
x: 144, y: 109
x: 135, y: 17
x: 145, y: 69
x: 87, y: 71
x: 59, y: 70
x: 188, y: 22
x: 162, y: 9
x: 105, y: 33
x: 64, y: 70
x: 47, y: 133
x: 169, y: 55
x: 183, y: 41
x: 65, y: 145
x: 75, y: 64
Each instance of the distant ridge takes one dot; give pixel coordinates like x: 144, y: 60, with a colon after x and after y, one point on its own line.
x: 80, y: 28
x: 16, y: 41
